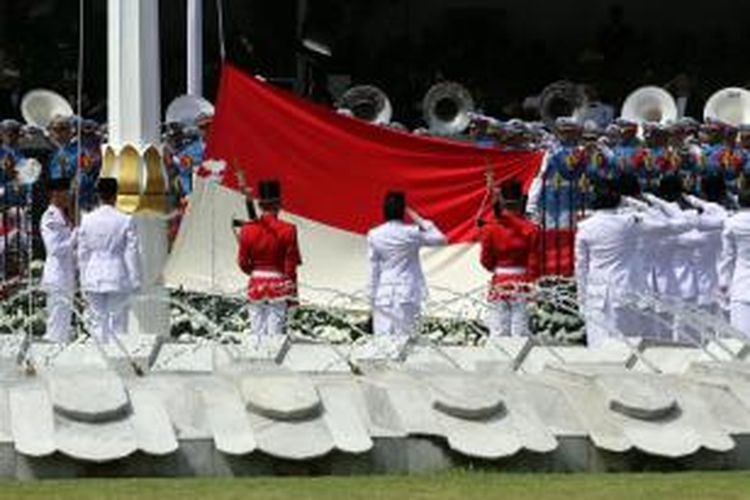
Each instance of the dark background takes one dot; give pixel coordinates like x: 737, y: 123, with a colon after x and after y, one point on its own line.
x: 501, y: 50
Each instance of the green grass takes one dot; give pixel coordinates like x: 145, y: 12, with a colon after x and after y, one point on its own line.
x: 446, y: 486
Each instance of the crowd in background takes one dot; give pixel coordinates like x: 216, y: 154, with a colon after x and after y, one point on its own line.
x: 70, y: 147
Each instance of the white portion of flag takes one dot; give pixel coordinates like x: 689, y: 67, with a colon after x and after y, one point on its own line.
x: 334, y: 270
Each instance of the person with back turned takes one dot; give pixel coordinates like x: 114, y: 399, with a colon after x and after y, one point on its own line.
x: 510, y: 251
x: 109, y: 263
x: 269, y: 254
x: 608, y: 271
x: 734, y: 266
x: 397, y: 284
x: 58, y: 277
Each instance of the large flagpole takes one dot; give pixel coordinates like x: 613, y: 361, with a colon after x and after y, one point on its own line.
x: 133, y: 154
x: 195, y: 47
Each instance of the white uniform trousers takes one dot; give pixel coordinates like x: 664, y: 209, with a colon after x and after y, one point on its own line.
x: 507, y: 318
x: 598, y: 326
x: 108, y: 314
x: 396, y: 319
x: 267, y: 318
x: 59, y: 313
x: 609, y: 321
x: 739, y: 313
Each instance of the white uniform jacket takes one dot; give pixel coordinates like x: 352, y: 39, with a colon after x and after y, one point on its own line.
x: 607, y: 265
x: 108, y: 252
x: 734, y: 267
x: 674, y: 255
x: 396, y: 275
x: 59, y: 244
x: 707, y: 252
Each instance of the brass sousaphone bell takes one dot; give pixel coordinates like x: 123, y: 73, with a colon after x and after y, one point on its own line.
x: 40, y: 106
x: 186, y: 109
x: 560, y: 99
x: 650, y: 105
x: 730, y: 105
x: 368, y: 103
x: 447, y: 108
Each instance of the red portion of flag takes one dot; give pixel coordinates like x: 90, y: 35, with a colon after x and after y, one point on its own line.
x: 336, y: 170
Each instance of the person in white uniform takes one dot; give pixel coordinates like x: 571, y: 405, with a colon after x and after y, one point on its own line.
x: 675, y: 267
x: 708, y: 252
x: 397, y: 284
x: 640, y: 321
x: 109, y: 263
x: 734, y: 266
x: 607, y: 265
x: 58, y: 277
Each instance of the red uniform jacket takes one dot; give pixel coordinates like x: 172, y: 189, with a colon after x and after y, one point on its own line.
x: 270, y: 255
x: 510, y: 241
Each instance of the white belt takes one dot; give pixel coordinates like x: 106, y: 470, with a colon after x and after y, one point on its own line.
x: 510, y: 270
x: 266, y: 274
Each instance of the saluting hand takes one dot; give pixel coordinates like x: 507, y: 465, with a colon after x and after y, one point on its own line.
x: 413, y: 215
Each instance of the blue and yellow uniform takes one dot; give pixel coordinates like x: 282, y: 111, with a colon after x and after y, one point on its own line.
x: 561, y: 193
x: 189, y: 158
x: 13, y: 194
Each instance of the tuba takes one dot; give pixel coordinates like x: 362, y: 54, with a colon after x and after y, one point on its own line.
x: 559, y: 100
x: 650, y: 105
x: 447, y: 108
x: 730, y: 105
x: 40, y: 106
x: 186, y: 109
x: 368, y: 103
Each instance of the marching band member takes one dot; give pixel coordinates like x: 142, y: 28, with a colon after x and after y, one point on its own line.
x: 10, y: 132
x: 58, y: 277
x: 269, y: 254
x: 13, y: 194
x: 628, y: 151
x: 510, y: 251
x: 64, y: 162
x: 744, y: 154
x: 553, y: 196
x: 90, y: 162
x: 397, y: 284
x: 109, y: 263
x: 734, y: 266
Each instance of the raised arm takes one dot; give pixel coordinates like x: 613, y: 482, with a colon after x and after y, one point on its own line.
x: 429, y: 234
x: 55, y: 242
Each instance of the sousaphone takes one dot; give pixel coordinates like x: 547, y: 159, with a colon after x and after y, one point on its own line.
x: 650, y: 105
x: 368, y: 103
x: 186, y: 109
x: 447, y: 108
x: 730, y: 105
x: 40, y: 106
x: 561, y: 99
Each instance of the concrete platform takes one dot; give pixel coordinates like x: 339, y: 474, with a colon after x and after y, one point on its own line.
x: 210, y: 409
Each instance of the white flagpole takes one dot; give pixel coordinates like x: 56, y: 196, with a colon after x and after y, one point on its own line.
x: 195, y: 47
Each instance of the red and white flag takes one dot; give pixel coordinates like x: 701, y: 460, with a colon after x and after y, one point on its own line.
x: 334, y: 171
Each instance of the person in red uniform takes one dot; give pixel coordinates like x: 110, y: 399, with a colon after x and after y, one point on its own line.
x: 269, y: 254
x: 510, y: 252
